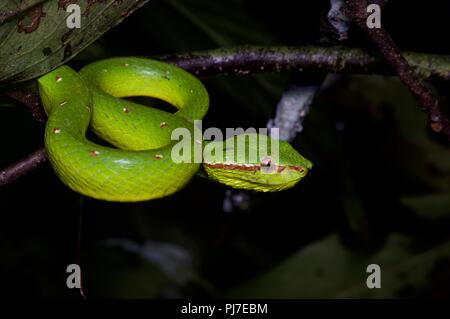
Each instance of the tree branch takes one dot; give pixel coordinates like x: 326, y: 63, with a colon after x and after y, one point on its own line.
x: 253, y: 59
x: 429, y: 103
x: 256, y: 59
x: 31, y: 101
x: 23, y: 167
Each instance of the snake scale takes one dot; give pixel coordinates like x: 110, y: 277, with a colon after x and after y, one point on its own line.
x: 138, y: 164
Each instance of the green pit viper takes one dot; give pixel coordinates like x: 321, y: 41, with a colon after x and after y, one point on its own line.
x: 140, y: 166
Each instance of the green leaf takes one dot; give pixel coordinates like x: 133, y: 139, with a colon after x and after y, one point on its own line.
x: 34, y: 37
x: 327, y: 269
x: 431, y: 206
x: 112, y: 273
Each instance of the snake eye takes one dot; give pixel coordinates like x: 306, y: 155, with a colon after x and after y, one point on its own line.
x: 266, y: 161
x: 267, y: 167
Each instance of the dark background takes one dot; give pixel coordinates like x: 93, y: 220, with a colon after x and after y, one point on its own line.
x: 379, y: 191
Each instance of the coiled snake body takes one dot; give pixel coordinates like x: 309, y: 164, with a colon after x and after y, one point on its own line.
x: 141, y: 166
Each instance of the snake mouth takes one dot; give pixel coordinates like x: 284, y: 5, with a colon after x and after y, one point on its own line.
x: 239, y: 167
x: 256, y: 167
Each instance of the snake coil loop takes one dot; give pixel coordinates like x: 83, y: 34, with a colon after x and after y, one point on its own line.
x: 141, y: 166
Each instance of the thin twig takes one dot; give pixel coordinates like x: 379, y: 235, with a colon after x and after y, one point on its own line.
x: 23, y: 167
x: 31, y: 101
x: 79, y: 246
x: 438, y: 120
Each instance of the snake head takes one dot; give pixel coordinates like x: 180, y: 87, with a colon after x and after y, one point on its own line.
x: 255, y: 162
